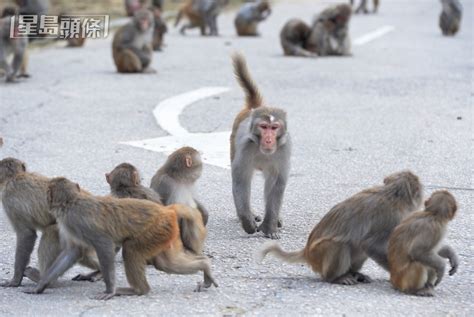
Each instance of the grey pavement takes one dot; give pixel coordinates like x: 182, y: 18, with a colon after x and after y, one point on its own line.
x: 403, y: 101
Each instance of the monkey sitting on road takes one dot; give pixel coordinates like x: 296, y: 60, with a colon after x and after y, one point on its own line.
x: 250, y: 15
x: 175, y: 180
x: 450, y: 17
x: 202, y: 14
x: 416, y: 253
x: 125, y: 183
x: 259, y: 141
x: 24, y: 200
x: 329, y: 34
x: 132, y: 45
x: 355, y: 229
x: 363, y: 6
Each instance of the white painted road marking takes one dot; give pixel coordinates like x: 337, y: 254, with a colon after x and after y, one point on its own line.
x: 214, y: 146
x: 369, y: 37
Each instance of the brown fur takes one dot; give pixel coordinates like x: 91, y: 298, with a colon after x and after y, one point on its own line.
x: 356, y: 228
x: 419, y: 236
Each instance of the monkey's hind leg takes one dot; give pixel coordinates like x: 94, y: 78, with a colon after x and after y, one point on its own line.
x: 128, y: 62
x: 135, y: 266
x: 333, y: 261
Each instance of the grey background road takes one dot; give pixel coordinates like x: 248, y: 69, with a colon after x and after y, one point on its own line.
x: 401, y: 101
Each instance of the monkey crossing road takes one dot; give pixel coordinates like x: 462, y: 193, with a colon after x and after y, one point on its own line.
x: 402, y: 100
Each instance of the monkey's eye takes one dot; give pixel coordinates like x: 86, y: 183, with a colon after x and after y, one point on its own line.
x: 264, y: 126
x: 275, y: 126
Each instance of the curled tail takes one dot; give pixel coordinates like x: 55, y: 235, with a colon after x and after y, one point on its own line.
x: 275, y: 249
x: 191, y: 227
x: 253, y: 97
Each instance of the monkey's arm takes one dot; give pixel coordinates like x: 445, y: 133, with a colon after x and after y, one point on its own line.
x: 203, y: 211
x: 448, y: 253
x: 165, y: 189
x: 432, y: 260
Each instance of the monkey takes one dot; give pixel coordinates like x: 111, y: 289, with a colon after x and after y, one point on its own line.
x: 159, y: 31
x: 192, y: 231
x: 175, y: 180
x: 143, y: 229
x: 132, y: 44
x: 157, y: 4
x: 15, y: 46
x: 202, y: 14
x: 250, y: 15
x: 363, y: 6
x: 450, y: 17
x: 132, y: 6
x: 415, y: 249
x: 259, y: 141
x: 328, y: 35
x: 355, y: 229
x: 33, y: 7
x: 25, y: 204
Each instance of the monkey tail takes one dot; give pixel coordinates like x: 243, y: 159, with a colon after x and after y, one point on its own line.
x: 274, y: 248
x: 253, y: 97
x: 192, y: 232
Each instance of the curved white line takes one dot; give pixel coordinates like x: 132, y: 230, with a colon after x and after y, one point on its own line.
x: 167, y: 112
x: 369, y: 37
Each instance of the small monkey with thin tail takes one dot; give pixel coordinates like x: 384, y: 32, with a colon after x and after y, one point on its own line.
x: 249, y: 15
x: 192, y: 231
x: 416, y: 252
x: 356, y: 229
x: 259, y: 141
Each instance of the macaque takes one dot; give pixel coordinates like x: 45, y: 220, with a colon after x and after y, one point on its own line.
x: 125, y: 183
x: 355, y: 229
x: 157, y: 4
x: 259, y: 141
x: 24, y: 200
x: 175, y: 180
x: 363, y: 6
x: 159, y: 30
x: 202, y: 14
x: 329, y: 34
x: 450, y: 18
x: 250, y: 15
x: 132, y: 6
x: 132, y: 45
x: 12, y: 46
x: 416, y: 253
x: 33, y: 7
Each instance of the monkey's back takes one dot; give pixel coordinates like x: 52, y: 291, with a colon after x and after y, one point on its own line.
x: 25, y: 199
x: 294, y: 32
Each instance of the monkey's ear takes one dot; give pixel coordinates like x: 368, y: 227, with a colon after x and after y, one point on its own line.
x: 189, y: 161
x: 283, y: 139
x: 107, y: 177
x: 135, y: 178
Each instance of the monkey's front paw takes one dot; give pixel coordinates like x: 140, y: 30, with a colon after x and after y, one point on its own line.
x: 425, y: 292
x: 453, y: 270
x: 269, y: 233
x: 249, y: 225
x: 33, y: 291
x: 203, y: 285
x: 88, y: 277
x: 362, y: 278
x: 104, y: 296
x: 11, y: 283
x: 347, y: 279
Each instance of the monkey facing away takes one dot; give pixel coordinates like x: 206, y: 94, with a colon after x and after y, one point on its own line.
x: 450, y: 17
x: 363, y: 6
x: 144, y: 229
x: 175, y: 180
x: 202, y: 14
x: 259, y: 141
x: 416, y: 253
x: 356, y: 229
x: 132, y: 45
x: 12, y: 46
x: 250, y: 15
x: 24, y: 200
x: 124, y: 183
x: 329, y: 34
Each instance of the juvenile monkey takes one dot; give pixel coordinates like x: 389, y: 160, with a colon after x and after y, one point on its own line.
x: 24, y: 201
x: 259, y: 141
x: 450, y: 18
x: 356, y: 229
x: 416, y: 253
x: 202, y: 14
x: 363, y: 6
x: 15, y: 46
x: 192, y: 230
x: 144, y: 229
x: 250, y: 15
x: 329, y: 34
x: 175, y: 180
x: 132, y: 45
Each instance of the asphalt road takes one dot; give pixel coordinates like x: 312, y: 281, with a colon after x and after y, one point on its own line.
x: 402, y: 101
